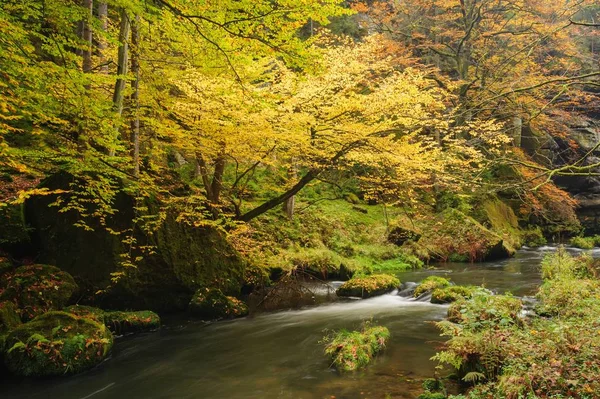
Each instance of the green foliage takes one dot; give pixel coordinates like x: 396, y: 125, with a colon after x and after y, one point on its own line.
x: 56, y: 343
x: 213, y: 304
x: 555, y: 356
x: 37, y: 289
x: 533, y: 237
x: 486, y: 311
x: 429, y: 284
x: 368, y: 286
x: 352, y: 350
x: 585, y: 242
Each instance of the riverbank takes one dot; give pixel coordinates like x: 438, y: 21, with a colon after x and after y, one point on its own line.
x: 278, y: 355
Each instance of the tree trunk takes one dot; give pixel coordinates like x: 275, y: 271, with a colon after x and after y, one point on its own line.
x: 121, y: 71
x: 87, y: 35
x: 217, y: 181
x: 103, y: 17
x: 267, y: 206
x: 290, y: 204
x: 517, y: 123
x: 135, y: 97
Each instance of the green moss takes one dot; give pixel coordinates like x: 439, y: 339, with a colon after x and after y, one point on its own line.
x: 352, y: 350
x: 56, y: 343
x: 503, y: 221
x: 368, y: 286
x: 429, y: 284
x: 452, y: 294
x: 453, y: 235
x: 9, y: 317
x: 87, y: 312
x: 37, y: 289
x: 213, y: 304
x: 431, y: 395
x: 131, y: 322
x: 119, y: 323
x: 432, y: 384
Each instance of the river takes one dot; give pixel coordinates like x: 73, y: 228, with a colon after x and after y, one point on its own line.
x: 278, y: 355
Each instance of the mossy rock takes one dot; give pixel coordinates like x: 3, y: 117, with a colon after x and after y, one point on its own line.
x: 184, y: 257
x: 368, y: 286
x: 429, y: 284
x: 131, y: 322
x: 398, y: 235
x: 37, y: 289
x: 118, y: 322
x: 9, y: 317
x: 88, y: 312
x: 213, y: 304
x: 451, y: 294
x: 352, y: 350
x: 56, y: 343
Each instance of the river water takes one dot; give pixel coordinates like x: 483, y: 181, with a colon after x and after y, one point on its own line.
x: 278, y: 355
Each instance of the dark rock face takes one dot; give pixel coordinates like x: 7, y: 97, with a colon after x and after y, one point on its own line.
x: 578, y: 145
x: 184, y: 258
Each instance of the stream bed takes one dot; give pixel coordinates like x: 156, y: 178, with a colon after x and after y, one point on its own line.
x: 278, y: 355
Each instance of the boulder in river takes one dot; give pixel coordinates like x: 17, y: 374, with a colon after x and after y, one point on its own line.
x: 352, y: 350
x: 56, y: 343
x: 119, y: 322
x: 452, y: 293
x: 429, y: 284
x: 368, y: 286
x: 37, y: 289
x: 210, y: 303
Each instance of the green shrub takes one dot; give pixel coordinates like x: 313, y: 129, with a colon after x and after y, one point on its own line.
x: 37, y: 289
x: 429, y: 284
x: 352, y: 350
x: 568, y: 297
x: 485, y: 310
x: 452, y: 294
x: 368, y: 286
x: 56, y: 343
x: 533, y: 238
x: 585, y: 242
x: 213, y: 304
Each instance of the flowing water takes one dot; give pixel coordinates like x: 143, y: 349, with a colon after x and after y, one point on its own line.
x: 278, y: 355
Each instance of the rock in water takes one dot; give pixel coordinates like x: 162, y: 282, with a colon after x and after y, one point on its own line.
x: 56, y: 343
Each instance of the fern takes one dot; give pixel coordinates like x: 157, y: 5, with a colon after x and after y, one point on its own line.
x: 474, y: 377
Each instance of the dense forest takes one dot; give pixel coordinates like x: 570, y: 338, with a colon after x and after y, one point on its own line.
x: 206, y: 160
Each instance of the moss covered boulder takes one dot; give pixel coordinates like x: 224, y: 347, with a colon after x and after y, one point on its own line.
x: 9, y: 317
x: 213, y: 304
x: 118, y: 322
x: 368, y: 286
x: 131, y: 322
x: 56, y: 343
x: 352, y: 350
x: 88, y: 312
x: 451, y: 294
x: 37, y: 289
x: 183, y: 257
x: 455, y: 236
x: 429, y: 284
